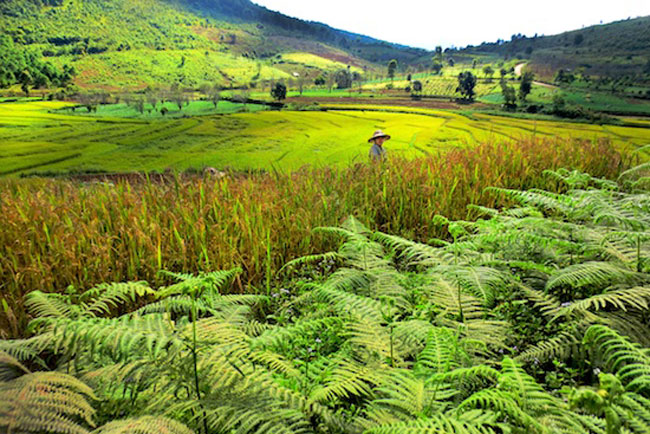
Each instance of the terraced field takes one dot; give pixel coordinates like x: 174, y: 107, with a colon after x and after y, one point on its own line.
x: 39, y: 137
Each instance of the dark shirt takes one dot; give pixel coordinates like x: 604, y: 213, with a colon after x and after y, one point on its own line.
x: 377, y: 153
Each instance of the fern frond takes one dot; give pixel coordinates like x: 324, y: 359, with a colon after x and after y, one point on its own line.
x: 119, y: 337
x: 348, y: 380
x: 541, y: 199
x: 637, y: 405
x: 503, y: 402
x: 101, y: 299
x: 45, y: 402
x: 274, y: 336
x: 10, y: 367
x: 627, y: 360
x: 471, y: 422
x: 371, y: 340
x: 441, y: 353
x: 599, y: 274
x: 43, y: 305
x: 548, y: 305
x: 401, y: 393
x: 482, y: 282
x: 473, y: 374
x: 347, y: 303
x: 144, y: 425
x: 410, y: 251
x: 27, y: 350
x: 635, y: 298
x: 635, y: 171
x: 312, y: 259
x: 453, y: 300
x: 212, y: 283
x: 559, y: 347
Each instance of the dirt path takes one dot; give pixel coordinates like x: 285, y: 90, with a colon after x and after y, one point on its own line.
x: 518, y: 70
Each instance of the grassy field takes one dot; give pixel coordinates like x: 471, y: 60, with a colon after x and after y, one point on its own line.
x: 41, y: 137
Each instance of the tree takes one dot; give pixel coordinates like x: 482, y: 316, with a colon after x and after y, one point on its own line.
x: 466, y: 84
x: 417, y: 88
x: 451, y: 62
x: 559, y: 103
x: 564, y: 77
x: 25, y: 81
x: 279, y: 92
x: 357, y: 78
x: 488, y: 71
x: 331, y: 79
x: 319, y: 81
x: 392, y: 67
x: 301, y: 83
x: 526, y: 85
x: 578, y: 39
x: 139, y: 105
x: 438, y: 55
x: 509, y: 95
x: 215, y: 96
x: 343, y: 79
x: 152, y: 98
x: 474, y: 63
x: 179, y: 98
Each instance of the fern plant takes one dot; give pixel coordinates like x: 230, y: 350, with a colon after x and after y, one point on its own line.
x: 484, y: 331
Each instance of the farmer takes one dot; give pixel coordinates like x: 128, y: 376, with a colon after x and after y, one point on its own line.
x: 377, y: 151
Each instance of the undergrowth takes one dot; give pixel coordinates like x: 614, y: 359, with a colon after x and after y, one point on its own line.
x: 532, y: 319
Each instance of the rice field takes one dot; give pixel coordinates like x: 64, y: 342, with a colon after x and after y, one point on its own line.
x: 57, y: 232
x: 43, y: 137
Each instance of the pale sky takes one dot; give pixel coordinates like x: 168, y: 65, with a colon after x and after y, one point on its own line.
x: 427, y: 23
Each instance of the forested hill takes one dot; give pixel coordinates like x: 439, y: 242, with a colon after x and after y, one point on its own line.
x: 616, y: 49
x: 134, y: 43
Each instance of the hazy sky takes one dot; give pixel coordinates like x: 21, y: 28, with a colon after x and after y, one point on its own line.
x: 427, y: 23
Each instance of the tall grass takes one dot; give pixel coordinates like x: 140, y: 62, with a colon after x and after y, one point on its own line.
x: 56, y: 233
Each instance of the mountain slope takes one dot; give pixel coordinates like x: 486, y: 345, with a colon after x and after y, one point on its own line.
x: 134, y: 44
x: 616, y: 49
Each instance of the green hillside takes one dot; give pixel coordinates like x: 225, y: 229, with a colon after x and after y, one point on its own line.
x: 119, y: 44
x: 615, y: 50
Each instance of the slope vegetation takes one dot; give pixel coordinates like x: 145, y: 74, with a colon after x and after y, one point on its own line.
x: 133, y: 44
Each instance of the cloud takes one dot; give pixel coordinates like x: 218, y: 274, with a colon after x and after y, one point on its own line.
x: 427, y: 23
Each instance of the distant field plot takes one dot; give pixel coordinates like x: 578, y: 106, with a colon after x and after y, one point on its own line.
x: 37, y: 137
x: 193, y: 108
x: 316, y: 61
x: 439, y: 85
